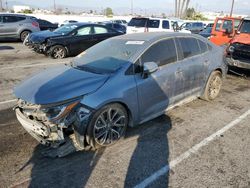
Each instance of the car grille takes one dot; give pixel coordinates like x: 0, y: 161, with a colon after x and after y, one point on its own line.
x: 242, y: 52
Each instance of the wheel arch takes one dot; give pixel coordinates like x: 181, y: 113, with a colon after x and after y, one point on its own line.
x: 130, y: 116
x: 20, y: 33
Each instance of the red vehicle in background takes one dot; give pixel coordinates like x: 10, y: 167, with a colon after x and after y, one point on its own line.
x: 224, y: 30
x: 238, y: 51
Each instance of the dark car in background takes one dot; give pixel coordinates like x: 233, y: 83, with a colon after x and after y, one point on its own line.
x: 70, y: 39
x: 120, y: 82
x: 194, y: 27
x: 116, y: 26
x: 46, y: 25
x: 206, y: 32
x: 17, y: 26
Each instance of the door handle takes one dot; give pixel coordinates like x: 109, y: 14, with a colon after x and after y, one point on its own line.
x: 206, y: 62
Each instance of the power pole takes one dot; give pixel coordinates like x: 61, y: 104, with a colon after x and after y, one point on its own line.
x: 1, y: 5
x: 54, y: 5
x: 132, y: 7
x: 231, y: 12
x: 6, y: 5
x: 175, y: 11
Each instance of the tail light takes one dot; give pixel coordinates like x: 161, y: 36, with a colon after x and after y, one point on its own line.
x: 35, y: 24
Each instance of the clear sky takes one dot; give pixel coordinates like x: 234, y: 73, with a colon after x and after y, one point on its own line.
x: 241, y: 6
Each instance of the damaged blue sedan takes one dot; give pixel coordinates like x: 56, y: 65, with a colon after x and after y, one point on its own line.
x: 120, y: 82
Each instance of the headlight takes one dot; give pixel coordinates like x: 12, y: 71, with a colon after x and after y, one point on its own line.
x: 231, y: 49
x: 58, y: 112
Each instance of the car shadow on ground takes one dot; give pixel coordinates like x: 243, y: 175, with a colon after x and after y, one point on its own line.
x: 150, y: 155
x: 6, y: 48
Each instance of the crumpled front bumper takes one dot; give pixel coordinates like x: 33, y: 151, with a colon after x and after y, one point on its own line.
x: 36, y: 129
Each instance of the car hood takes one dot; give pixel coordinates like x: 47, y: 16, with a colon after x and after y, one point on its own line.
x: 243, y: 38
x: 58, y: 84
x: 41, y: 36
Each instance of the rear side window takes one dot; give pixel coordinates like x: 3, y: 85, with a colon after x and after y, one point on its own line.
x: 162, y: 53
x: 153, y: 23
x: 100, y: 30
x: 165, y: 24
x: 1, y: 19
x: 203, y: 46
x: 12, y: 19
x: 189, y: 46
x: 138, y: 22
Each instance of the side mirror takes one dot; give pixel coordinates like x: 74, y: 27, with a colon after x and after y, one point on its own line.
x: 149, y: 68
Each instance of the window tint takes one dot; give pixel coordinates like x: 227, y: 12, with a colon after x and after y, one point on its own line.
x: 100, y: 30
x: 1, y: 19
x: 245, y: 26
x: 138, y: 22
x: 189, y: 47
x: 84, y: 31
x: 203, y: 46
x: 153, y: 23
x: 218, y: 24
x: 11, y: 19
x: 227, y: 24
x: 162, y: 53
x: 165, y: 24
x: 198, y: 24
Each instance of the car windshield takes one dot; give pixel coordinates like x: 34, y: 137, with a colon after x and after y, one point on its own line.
x: 107, y: 56
x: 245, y: 27
x: 65, y: 29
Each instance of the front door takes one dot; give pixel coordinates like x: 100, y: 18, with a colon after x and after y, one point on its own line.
x: 157, y: 91
x: 81, y: 40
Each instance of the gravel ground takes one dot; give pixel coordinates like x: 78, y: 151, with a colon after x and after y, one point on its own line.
x: 223, y: 162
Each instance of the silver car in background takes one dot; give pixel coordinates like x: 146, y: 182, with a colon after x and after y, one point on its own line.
x: 17, y: 26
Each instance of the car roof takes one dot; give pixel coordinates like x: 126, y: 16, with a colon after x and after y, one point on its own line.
x: 151, y: 36
x: 247, y: 18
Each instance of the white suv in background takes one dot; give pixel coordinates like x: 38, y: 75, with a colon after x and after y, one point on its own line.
x: 141, y: 24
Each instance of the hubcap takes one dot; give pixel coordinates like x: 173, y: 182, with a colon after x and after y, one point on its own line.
x: 215, y: 86
x: 109, y: 126
x: 58, y: 53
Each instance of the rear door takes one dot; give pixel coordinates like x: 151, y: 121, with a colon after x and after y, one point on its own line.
x: 158, y: 90
x: 101, y: 33
x: 194, y: 64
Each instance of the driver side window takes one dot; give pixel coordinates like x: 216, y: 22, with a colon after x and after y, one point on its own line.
x: 83, y: 31
x: 162, y: 53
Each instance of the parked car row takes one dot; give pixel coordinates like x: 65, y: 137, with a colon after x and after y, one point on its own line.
x: 70, y: 39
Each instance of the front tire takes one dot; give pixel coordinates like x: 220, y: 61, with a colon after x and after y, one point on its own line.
x: 58, y: 52
x: 107, y: 126
x: 213, y: 86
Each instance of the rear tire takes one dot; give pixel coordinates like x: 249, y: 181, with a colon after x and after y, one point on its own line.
x: 107, y: 126
x: 58, y: 52
x: 213, y: 86
x: 24, y: 34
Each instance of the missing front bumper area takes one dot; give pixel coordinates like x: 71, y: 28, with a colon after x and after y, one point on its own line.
x: 61, y: 138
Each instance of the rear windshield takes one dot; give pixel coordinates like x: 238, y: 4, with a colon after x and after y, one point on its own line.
x: 245, y: 27
x: 138, y: 22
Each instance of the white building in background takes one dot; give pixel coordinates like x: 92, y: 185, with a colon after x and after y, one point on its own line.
x: 20, y: 8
